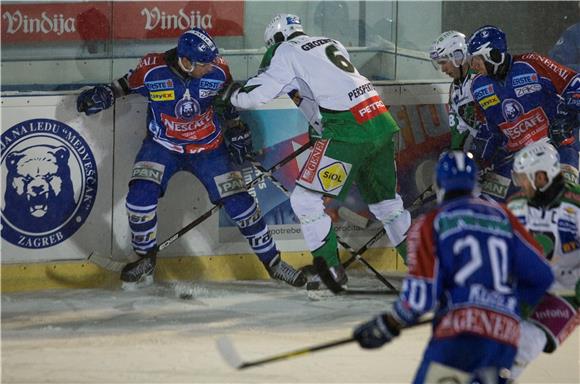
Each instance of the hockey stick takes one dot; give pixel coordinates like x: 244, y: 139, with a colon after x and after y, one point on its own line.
x: 229, y: 353
x: 114, y: 266
x: 356, y: 255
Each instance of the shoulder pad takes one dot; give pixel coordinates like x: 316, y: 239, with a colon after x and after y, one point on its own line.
x: 151, y: 60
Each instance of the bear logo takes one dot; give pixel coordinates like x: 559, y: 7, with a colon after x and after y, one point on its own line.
x: 49, y: 183
x: 512, y: 109
x: 39, y: 192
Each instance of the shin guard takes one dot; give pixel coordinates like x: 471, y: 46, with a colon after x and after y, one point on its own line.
x: 316, y: 224
x: 244, y: 211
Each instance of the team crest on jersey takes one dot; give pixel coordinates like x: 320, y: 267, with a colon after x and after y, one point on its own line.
x: 511, y: 109
x: 49, y: 183
x: 187, y: 108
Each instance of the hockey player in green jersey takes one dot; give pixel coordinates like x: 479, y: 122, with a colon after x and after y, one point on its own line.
x: 449, y: 55
x: 356, y: 141
x: 549, y: 207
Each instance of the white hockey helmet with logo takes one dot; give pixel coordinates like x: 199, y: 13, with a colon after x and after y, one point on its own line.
x: 281, y: 26
x: 536, y: 157
x: 450, y: 46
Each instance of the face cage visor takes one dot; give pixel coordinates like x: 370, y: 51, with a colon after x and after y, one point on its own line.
x: 457, y: 58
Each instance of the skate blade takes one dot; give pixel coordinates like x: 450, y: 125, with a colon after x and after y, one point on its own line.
x: 145, y: 281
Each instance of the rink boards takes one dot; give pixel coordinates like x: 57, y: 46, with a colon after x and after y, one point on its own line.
x: 64, y: 180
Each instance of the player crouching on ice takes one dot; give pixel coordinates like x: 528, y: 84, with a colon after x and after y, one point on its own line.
x: 472, y: 263
x: 355, y: 145
x: 184, y: 133
x: 549, y: 207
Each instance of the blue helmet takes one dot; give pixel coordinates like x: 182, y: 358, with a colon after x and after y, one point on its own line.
x: 490, y: 42
x: 456, y: 171
x: 197, y: 46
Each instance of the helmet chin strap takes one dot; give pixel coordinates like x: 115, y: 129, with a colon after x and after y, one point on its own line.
x: 183, y: 68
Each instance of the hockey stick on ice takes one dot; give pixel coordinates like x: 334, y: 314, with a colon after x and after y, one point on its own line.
x: 114, y: 266
x: 229, y: 353
x: 356, y: 255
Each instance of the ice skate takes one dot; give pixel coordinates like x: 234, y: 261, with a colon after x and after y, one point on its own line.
x: 138, y: 273
x: 334, y: 278
x: 280, y: 270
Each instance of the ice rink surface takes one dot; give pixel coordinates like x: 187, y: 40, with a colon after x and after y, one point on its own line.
x: 153, y: 336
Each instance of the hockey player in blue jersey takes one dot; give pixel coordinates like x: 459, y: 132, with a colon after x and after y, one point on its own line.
x: 524, y: 98
x: 185, y: 133
x: 472, y: 263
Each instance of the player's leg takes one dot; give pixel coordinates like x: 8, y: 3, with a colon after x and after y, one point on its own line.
x: 153, y: 167
x: 541, y: 333
x: 532, y: 343
x: 465, y: 358
x: 327, y: 172
x: 377, y: 181
x: 225, y: 184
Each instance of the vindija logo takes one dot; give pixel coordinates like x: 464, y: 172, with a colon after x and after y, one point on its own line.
x: 49, y: 183
x: 157, y: 19
x: 17, y: 22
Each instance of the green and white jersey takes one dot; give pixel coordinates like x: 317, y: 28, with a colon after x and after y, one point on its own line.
x: 557, y: 229
x: 320, y: 69
x: 463, y: 116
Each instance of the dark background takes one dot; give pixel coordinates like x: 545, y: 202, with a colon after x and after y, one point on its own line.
x: 529, y: 25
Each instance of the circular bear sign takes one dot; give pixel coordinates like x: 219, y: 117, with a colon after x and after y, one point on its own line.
x: 49, y: 183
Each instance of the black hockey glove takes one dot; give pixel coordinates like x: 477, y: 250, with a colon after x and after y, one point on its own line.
x: 376, y: 332
x: 239, y: 142
x: 561, y: 131
x: 226, y: 95
x: 95, y: 100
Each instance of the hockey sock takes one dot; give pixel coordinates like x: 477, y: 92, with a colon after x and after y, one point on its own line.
x: 141, y: 208
x: 252, y: 225
x: 329, y: 250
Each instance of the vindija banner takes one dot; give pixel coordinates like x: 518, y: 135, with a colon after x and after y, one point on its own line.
x: 90, y: 21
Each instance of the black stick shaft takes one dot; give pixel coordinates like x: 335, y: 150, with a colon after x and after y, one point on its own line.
x: 314, y: 348
x: 296, y: 353
x: 216, y: 207
x: 356, y: 255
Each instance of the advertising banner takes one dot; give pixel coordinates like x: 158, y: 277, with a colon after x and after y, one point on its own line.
x: 125, y: 20
x: 424, y: 134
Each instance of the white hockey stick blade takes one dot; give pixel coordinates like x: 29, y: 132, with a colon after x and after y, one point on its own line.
x: 228, y: 352
x: 353, y: 217
x: 106, y: 262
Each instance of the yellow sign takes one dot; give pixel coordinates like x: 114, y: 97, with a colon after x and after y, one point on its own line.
x: 332, y: 177
x: 162, y: 95
x: 489, y: 102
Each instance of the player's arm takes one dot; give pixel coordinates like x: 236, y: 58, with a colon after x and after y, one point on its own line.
x: 563, y: 80
x: 532, y: 271
x: 101, y: 97
x: 266, y: 85
x: 457, y: 137
x: 420, y: 289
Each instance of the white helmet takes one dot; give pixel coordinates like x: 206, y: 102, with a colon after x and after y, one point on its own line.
x: 450, y: 46
x: 281, y: 26
x: 535, y: 157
